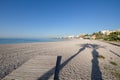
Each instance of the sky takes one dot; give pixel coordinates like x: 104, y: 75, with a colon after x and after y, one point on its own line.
x: 52, y: 18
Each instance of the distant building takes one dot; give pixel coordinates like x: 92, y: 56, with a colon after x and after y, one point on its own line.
x: 107, y: 32
x: 71, y: 37
x: 118, y: 30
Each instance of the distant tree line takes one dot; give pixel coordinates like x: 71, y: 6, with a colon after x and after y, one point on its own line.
x: 113, y: 36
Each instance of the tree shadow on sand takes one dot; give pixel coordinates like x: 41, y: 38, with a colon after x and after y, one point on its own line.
x: 49, y: 73
x: 115, y: 53
x: 95, y: 74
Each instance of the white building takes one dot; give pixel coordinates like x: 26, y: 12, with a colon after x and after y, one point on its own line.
x: 71, y: 37
x: 105, y: 31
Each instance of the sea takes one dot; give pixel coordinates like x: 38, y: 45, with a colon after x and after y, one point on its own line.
x: 24, y: 40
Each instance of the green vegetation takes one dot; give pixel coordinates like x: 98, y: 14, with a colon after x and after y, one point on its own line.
x: 106, y: 68
x: 113, y: 63
x: 98, y: 35
x: 101, y: 57
x: 114, y: 70
x: 85, y: 36
x: 116, y: 74
x: 113, y: 36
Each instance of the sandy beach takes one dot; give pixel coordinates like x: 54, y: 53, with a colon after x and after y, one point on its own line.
x: 79, y: 58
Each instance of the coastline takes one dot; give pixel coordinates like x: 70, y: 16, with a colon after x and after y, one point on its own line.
x: 13, y: 56
x: 28, y: 40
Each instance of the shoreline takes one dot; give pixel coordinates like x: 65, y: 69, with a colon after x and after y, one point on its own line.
x: 14, y: 55
x: 25, y: 40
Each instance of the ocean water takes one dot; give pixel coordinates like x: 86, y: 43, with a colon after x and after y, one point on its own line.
x: 16, y: 41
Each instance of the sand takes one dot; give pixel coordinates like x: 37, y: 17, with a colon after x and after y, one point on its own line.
x: 79, y: 58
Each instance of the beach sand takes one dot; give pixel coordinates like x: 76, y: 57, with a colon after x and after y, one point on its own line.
x: 79, y: 58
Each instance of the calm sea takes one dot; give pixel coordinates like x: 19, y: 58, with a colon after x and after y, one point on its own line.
x: 16, y: 41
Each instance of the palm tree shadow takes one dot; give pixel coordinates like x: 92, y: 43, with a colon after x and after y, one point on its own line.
x: 49, y: 73
x: 115, y: 53
x: 96, y: 73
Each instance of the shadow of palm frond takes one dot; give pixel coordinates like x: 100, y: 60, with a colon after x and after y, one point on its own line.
x: 95, y: 62
x: 49, y: 73
x: 96, y: 73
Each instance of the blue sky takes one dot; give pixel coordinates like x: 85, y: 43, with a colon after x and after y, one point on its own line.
x: 49, y: 18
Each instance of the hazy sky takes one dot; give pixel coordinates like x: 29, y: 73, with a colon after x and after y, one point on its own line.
x: 48, y: 18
